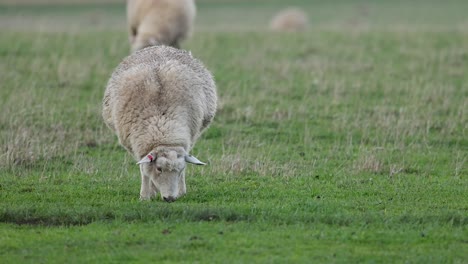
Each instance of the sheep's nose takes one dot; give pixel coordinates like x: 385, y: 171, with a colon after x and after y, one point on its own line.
x: 169, y: 199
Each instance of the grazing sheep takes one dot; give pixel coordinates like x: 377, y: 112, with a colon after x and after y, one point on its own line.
x: 158, y: 101
x: 159, y: 22
x: 291, y: 19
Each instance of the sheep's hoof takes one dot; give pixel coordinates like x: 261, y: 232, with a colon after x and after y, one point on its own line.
x: 144, y: 198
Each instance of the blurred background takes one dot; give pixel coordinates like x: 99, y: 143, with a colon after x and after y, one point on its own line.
x: 243, y: 15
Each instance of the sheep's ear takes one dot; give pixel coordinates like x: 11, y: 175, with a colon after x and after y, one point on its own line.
x: 193, y: 160
x: 147, y: 159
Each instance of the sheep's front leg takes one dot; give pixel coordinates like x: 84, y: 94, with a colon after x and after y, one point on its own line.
x: 182, y: 187
x: 154, y: 189
x: 145, y: 190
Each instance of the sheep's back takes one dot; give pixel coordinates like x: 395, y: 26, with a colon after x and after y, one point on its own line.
x: 159, y: 87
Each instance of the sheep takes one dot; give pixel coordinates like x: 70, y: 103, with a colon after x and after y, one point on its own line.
x: 290, y: 20
x: 159, y: 22
x: 158, y: 101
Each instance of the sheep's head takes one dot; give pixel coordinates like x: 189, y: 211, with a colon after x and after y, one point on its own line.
x: 165, y: 166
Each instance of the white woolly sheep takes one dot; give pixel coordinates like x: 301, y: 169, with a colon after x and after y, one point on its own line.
x: 291, y: 19
x: 158, y: 101
x: 159, y: 22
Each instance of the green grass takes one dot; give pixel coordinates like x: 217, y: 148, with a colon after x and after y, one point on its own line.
x: 347, y: 143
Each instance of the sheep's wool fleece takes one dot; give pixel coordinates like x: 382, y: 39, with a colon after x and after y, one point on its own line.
x: 159, y: 96
x: 290, y: 19
x: 167, y: 22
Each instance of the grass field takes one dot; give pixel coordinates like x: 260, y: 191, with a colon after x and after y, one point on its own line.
x: 344, y: 144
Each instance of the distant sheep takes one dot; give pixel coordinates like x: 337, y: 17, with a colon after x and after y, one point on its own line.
x: 159, y: 22
x: 158, y: 101
x: 291, y: 19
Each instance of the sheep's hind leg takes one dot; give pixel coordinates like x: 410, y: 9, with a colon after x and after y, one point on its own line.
x: 175, y: 44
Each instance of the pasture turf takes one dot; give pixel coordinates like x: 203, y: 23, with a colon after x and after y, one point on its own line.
x: 347, y: 143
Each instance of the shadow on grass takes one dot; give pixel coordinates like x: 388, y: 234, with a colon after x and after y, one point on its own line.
x: 70, y: 218
x: 145, y: 214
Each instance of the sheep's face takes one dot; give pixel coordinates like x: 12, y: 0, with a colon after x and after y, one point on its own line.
x: 165, y: 169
